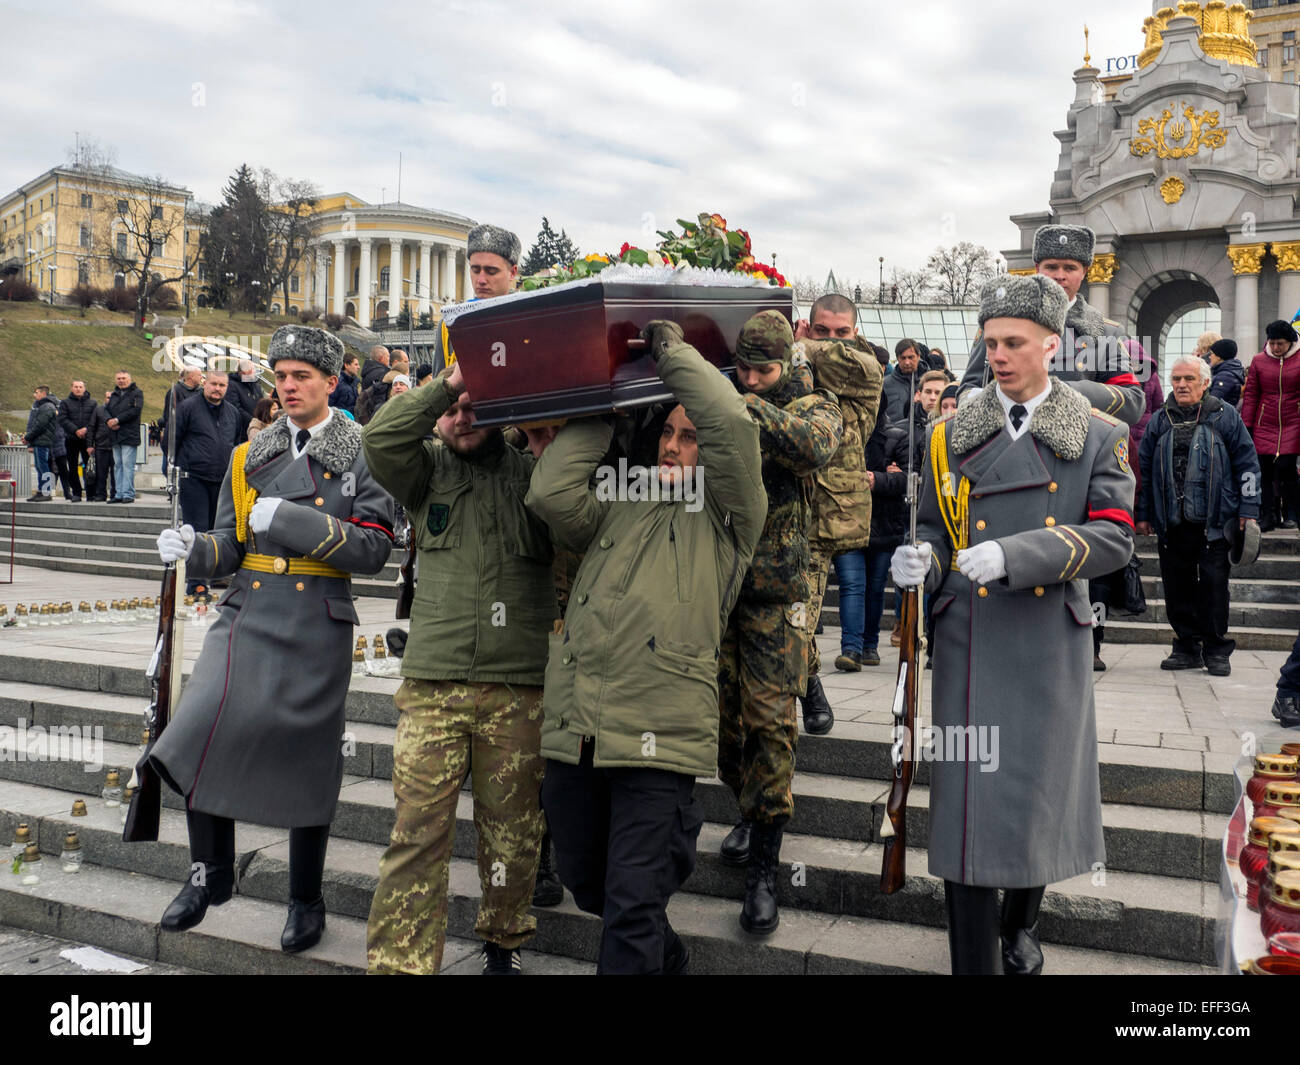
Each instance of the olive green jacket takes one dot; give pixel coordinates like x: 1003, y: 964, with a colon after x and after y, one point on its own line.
x: 636, y: 666
x: 485, y: 595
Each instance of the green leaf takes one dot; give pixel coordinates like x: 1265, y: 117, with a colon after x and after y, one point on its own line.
x: 637, y: 257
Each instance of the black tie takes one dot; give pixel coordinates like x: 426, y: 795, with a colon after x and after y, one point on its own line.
x: 304, y: 437
x: 1017, y: 416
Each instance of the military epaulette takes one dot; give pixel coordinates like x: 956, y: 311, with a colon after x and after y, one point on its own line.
x: 1111, y: 322
x: 1109, y: 419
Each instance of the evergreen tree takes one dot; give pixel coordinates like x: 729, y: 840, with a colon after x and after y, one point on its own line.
x: 547, y: 250
x: 237, y: 254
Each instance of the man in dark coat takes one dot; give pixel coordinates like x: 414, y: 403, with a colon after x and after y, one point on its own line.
x: 1092, y: 359
x: 98, y: 488
x: 887, y: 478
x: 42, y: 424
x: 1200, y: 474
x: 243, y: 392
x: 74, y: 422
x: 1227, y: 375
x: 207, y: 429
x: 189, y: 386
x: 258, y: 732
x: 124, y: 408
x: 345, y: 393
x: 1028, y: 494
x: 375, y: 367
x: 900, y: 383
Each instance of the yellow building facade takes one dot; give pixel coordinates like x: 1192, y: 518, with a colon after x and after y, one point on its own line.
x: 59, y: 230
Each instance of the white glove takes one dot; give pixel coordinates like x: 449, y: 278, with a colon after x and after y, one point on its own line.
x: 984, y: 562
x: 176, y: 544
x: 259, y: 518
x: 910, y: 565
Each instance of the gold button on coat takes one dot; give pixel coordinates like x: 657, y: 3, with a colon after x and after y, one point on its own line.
x: 299, y: 586
x: 279, y: 565
x: 1053, y: 487
x: 257, y: 584
x: 980, y: 524
x: 320, y: 501
x: 983, y: 593
x: 1038, y: 590
x: 1050, y: 521
x: 328, y: 475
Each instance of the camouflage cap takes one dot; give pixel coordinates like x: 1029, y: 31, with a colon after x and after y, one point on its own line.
x: 1036, y: 298
x: 1064, y: 242
x: 307, y: 344
x: 493, y: 239
x: 765, y: 338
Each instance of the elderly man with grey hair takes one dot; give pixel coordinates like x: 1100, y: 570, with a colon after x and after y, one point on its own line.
x: 1199, y: 490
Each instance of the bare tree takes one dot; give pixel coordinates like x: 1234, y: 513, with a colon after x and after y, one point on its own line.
x: 290, y: 211
x: 960, y: 270
x: 137, y: 225
x: 805, y: 288
x: 910, y: 286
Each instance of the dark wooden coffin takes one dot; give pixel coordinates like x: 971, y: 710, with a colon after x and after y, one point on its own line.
x: 564, y: 352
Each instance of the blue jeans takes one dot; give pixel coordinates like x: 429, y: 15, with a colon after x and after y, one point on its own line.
x: 851, y: 573
x: 124, y: 470
x: 44, y: 478
x: 877, y: 573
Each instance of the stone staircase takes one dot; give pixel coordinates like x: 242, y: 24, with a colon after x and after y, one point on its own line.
x: 1151, y: 910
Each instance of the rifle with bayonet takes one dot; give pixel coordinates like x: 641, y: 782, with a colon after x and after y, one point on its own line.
x: 893, y: 829
x: 164, y: 674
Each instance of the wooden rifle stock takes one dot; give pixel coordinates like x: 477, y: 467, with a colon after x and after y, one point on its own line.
x: 894, y: 828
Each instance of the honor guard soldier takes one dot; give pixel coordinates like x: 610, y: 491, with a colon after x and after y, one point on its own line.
x: 258, y: 734
x: 1027, y: 494
x: 491, y: 268
x: 763, y: 666
x: 1092, y: 359
x: 471, y: 695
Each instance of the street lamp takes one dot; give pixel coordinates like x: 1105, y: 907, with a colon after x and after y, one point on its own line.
x: 880, y: 282
x: 51, y: 269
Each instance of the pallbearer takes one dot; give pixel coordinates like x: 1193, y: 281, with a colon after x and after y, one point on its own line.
x: 258, y: 735
x: 1029, y: 493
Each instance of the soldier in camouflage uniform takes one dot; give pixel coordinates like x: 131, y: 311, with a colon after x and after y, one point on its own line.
x: 473, y: 671
x: 844, y: 363
x: 763, y: 663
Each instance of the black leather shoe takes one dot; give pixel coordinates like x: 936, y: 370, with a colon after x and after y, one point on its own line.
x: 677, y: 956
x: 1286, y: 708
x: 547, y: 889
x: 818, y: 718
x: 759, y: 914
x: 190, y: 907
x: 1182, y: 660
x: 304, y: 927
x: 1098, y: 666
x: 1021, y: 953
x: 396, y: 639
x: 1218, y: 665
x: 870, y: 657
x: 735, y: 848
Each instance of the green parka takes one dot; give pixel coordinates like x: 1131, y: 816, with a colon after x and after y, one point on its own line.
x: 636, y: 666
x: 485, y: 598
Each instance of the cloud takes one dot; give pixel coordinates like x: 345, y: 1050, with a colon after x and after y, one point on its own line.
x: 833, y: 134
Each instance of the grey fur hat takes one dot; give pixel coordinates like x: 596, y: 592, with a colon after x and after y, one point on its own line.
x: 494, y: 239
x: 1065, y: 242
x: 1037, y: 298
x: 307, y: 344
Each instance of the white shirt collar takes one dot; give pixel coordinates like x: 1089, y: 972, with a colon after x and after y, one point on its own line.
x: 1073, y: 301
x: 1030, y: 406
x: 294, y: 427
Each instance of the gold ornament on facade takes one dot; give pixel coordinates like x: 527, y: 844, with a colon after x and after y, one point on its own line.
x: 1025, y: 272
x: 1172, y: 189
x: 1102, y: 269
x: 1225, y: 31
x: 1246, y: 258
x: 1287, y: 254
x: 1196, y: 131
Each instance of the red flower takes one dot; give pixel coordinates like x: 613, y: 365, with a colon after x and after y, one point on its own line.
x: 624, y: 249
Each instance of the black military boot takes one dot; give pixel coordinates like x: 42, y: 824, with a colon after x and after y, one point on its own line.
x: 818, y: 717
x: 972, y: 929
x: 759, y: 915
x: 547, y: 889
x: 304, y: 926
x: 1286, y: 708
x: 215, y: 886
x: 735, y: 848
x: 1021, y: 953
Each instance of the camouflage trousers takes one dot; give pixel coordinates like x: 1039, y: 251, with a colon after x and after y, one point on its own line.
x: 762, y: 667
x: 818, y: 573
x: 442, y: 723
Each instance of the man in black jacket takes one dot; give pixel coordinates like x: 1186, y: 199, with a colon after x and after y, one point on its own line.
x: 101, y: 446
x: 74, y: 422
x: 243, y: 391
x: 375, y: 367
x: 1227, y: 375
x: 124, y: 408
x: 190, y: 385
x: 346, y: 391
x: 39, y: 437
x: 207, y: 431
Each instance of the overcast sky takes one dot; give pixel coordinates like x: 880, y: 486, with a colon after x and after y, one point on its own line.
x: 834, y: 132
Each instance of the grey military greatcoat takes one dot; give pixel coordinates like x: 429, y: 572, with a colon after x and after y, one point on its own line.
x: 1013, y: 658
x: 258, y: 732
